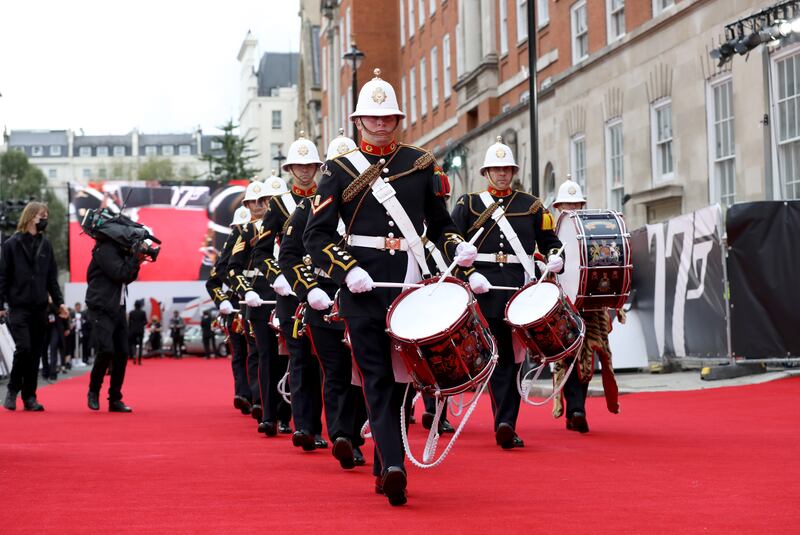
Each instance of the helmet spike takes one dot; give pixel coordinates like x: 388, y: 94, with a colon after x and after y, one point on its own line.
x: 377, y: 73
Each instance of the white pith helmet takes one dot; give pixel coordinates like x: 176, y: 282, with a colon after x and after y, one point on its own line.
x: 302, y: 151
x: 339, y: 145
x: 377, y: 99
x: 255, y: 190
x: 569, y: 191
x: 275, y: 185
x: 240, y: 216
x: 499, y: 155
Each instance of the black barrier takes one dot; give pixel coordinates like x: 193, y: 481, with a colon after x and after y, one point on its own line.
x: 764, y: 275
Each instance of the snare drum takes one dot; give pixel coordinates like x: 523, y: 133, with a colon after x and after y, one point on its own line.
x: 543, y: 319
x: 597, y: 270
x: 443, y: 339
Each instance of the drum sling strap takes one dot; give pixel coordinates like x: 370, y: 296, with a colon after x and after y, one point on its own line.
x: 384, y: 193
x: 499, y: 216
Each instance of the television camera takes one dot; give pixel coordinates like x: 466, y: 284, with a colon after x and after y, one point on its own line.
x: 103, y: 224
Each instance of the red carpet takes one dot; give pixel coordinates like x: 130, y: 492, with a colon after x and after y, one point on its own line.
x: 720, y: 461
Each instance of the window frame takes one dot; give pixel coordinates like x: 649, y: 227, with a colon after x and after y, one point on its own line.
x: 423, y: 86
x: 780, y: 184
x: 403, y: 22
x: 574, y: 36
x: 412, y: 15
x: 578, y: 174
x: 502, y: 15
x: 167, y: 150
x: 412, y: 93
x: 434, y: 77
x: 150, y: 150
x: 421, y: 13
x: 85, y: 151
x: 610, y: 125
x: 55, y: 150
x: 447, y: 87
x: 609, y: 17
x: 102, y: 151
x: 522, y: 20
x: 655, y: 142
x: 659, y: 8
x: 714, y: 161
x: 184, y: 150
x: 280, y: 119
x: 543, y: 13
x: 115, y: 152
x: 37, y: 151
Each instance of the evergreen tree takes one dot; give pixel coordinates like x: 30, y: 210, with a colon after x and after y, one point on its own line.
x: 234, y: 162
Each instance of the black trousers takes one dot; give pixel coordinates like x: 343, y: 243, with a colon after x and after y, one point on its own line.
x: 384, y: 397
x: 304, y: 376
x: 345, y: 410
x: 238, y: 345
x: 110, y: 332
x: 134, y: 340
x: 252, y: 369
x: 28, y: 328
x: 503, y: 384
x: 575, y: 393
x: 271, y: 368
x: 208, y: 346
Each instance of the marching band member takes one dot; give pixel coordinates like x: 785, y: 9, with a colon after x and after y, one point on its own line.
x: 515, y: 222
x: 385, y: 193
x: 302, y: 163
x: 222, y: 295
x: 570, y: 197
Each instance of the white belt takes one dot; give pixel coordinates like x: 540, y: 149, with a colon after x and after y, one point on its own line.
x: 378, y: 242
x: 251, y: 273
x: 498, y: 258
x: 321, y: 273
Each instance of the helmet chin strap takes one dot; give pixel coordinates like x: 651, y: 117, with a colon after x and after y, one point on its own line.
x: 297, y: 178
x: 370, y: 132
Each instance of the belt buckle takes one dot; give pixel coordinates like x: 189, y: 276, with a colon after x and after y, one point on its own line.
x: 501, y: 258
x: 391, y: 244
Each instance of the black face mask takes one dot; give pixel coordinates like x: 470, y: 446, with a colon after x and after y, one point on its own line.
x: 41, y: 225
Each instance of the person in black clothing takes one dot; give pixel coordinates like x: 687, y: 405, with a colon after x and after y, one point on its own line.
x: 208, y: 334
x: 28, y: 274
x: 176, y: 328
x: 137, y: 319
x: 55, y: 342
x: 111, y: 269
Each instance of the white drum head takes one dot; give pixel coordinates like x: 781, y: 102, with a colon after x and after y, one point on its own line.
x: 567, y: 232
x: 419, y: 315
x: 532, y: 303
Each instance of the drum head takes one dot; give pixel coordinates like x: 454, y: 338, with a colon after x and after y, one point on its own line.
x: 567, y: 231
x: 417, y: 315
x: 532, y: 303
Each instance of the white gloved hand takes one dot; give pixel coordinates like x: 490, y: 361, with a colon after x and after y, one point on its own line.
x: 318, y: 299
x: 225, y: 308
x: 466, y: 254
x: 479, y: 283
x: 281, y: 286
x: 555, y: 263
x: 541, y: 265
x: 359, y: 281
x: 252, y: 299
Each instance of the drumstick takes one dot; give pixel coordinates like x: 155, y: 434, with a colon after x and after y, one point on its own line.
x: 396, y: 285
x: 547, y: 269
x: 453, y: 265
x: 508, y: 288
x: 262, y: 302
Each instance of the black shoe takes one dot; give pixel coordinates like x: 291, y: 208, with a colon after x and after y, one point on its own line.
x: 393, y: 485
x: 427, y: 420
x: 343, y: 451
x: 32, y: 405
x: 10, y: 402
x: 241, y: 403
x: 577, y: 422
x: 320, y: 443
x: 358, y: 457
x: 504, y: 436
x: 301, y: 439
x: 93, y: 401
x: 445, y: 427
x: 284, y: 428
x: 268, y: 428
x: 118, y: 406
x: 517, y: 442
x: 256, y: 412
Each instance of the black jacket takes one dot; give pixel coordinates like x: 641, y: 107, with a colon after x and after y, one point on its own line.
x: 111, y: 267
x: 28, y: 272
x: 137, y: 320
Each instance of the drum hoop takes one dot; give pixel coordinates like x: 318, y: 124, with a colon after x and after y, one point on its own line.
x: 518, y: 292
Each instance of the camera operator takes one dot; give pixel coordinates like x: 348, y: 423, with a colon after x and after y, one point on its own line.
x: 28, y: 274
x: 112, y: 268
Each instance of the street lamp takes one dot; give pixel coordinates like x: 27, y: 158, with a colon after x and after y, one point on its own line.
x: 355, y: 57
x: 279, y: 158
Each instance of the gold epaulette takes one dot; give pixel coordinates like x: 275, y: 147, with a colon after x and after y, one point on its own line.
x: 424, y: 161
x: 535, y: 207
x: 367, y: 177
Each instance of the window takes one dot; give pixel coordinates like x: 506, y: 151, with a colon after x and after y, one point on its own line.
x: 721, y: 141
x: 168, y: 150
x: 87, y: 173
x: 184, y: 150
x: 119, y: 150
x: 522, y: 20
x: 788, y: 127
x: 503, y: 28
x: 102, y: 150
x: 615, y: 23
x: 84, y: 151
x: 403, y: 96
x: 403, y: 22
x: 216, y: 145
x: 543, y: 14
x: 447, y: 86
x: 434, y: 77
x: 102, y: 173
x: 661, y: 5
x: 615, y: 173
x: 580, y: 32
x: 347, y: 30
x: 421, y: 12
x: 55, y: 150
x: 525, y: 96
x: 577, y: 159
x: 459, y: 51
x: 37, y: 150
x: 276, y: 119
x: 411, y: 18
x: 52, y: 174
x: 423, y: 88
x: 433, y: 6
x: 661, y: 121
x: 150, y: 150
x: 412, y: 87
x: 315, y: 57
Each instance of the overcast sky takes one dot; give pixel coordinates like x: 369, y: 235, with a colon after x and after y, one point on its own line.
x: 157, y: 65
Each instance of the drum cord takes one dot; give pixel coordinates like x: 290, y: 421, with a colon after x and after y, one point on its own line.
x: 283, y: 388
x: 525, y: 392
x: 365, y: 431
x: 456, y: 407
x: 430, y: 446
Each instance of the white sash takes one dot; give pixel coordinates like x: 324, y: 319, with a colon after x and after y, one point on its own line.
x: 499, y: 216
x: 288, y: 202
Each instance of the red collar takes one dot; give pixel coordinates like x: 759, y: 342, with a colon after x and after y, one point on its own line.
x: 378, y: 151
x: 499, y: 193
x: 304, y: 192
